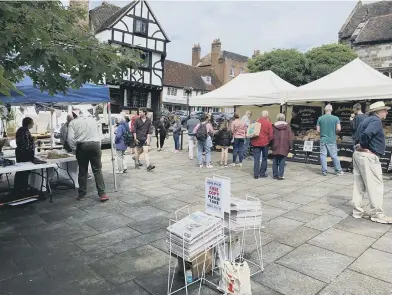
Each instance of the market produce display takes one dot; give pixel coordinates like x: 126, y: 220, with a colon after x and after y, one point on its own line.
x: 55, y: 155
x: 387, y: 130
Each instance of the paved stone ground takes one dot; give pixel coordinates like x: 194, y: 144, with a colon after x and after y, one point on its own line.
x: 311, y: 245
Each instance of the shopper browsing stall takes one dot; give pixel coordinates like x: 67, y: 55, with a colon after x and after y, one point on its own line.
x: 370, y: 146
x: 327, y: 126
x: 356, y: 118
x: 24, y: 152
x: 223, y: 139
x: 84, y: 139
x: 239, y: 130
x: 176, y: 129
x: 281, y: 145
x: 261, y: 145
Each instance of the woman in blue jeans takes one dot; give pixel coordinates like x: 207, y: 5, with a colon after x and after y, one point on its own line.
x: 176, y: 133
x: 238, y: 129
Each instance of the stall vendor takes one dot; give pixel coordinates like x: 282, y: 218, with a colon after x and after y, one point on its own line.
x: 295, y: 123
x: 24, y: 152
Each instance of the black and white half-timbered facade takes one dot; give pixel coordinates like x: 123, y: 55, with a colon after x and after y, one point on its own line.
x: 135, y: 26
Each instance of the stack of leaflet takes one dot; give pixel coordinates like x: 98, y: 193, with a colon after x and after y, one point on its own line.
x: 194, y: 234
x: 245, y: 214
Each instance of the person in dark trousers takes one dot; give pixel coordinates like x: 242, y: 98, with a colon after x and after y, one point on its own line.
x: 24, y: 152
x: 356, y: 118
x: 176, y: 132
x: 121, y: 145
x: 160, y: 132
x: 224, y: 139
x: 261, y: 145
x: 281, y: 145
x: 142, y: 136
x: 84, y: 139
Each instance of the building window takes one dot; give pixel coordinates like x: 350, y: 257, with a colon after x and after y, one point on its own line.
x: 141, y: 27
x: 232, y: 72
x: 172, y: 91
x: 208, y: 79
x: 187, y: 93
x: 204, y: 92
x: 145, y: 57
x: 241, y: 70
x: 137, y: 99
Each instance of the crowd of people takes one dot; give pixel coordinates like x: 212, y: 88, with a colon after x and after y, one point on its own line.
x: 80, y: 135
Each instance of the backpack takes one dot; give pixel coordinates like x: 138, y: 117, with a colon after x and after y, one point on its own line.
x: 201, y: 133
x: 128, y: 137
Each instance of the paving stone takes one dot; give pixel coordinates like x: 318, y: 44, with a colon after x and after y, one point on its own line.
x: 150, y: 225
x: 298, y: 236
x: 342, y: 242
x: 144, y: 213
x: 342, y: 211
x: 316, y: 262
x: 363, y: 227
x: 286, y: 281
x: 158, y: 192
x: 300, y: 215
x: 109, y: 222
x: 257, y: 288
x: 160, y: 245
x: 130, y: 288
x: 8, y: 269
x: 66, y: 234
x: 282, y: 204
x: 269, y: 212
x: 298, y: 199
x: 106, y: 239
x: 170, y: 205
x: 138, y: 241
x: 332, y: 201
x: 266, y: 197
x: 323, y: 222
x: 350, y: 282
x: 316, y: 208
x: 26, y: 283
x: 384, y: 243
x: 316, y: 191
x: 130, y: 264
x: 270, y: 253
x: 132, y: 198
x: 281, y: 225
x: 374, y: 263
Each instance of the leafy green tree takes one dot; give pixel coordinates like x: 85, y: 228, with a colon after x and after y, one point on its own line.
x: 288, y: 64
x: 45, y: 41
x: 326, y: 59
x: 298, y: 68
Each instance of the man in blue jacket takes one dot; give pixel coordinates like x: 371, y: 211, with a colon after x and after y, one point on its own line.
x: 370, y: 146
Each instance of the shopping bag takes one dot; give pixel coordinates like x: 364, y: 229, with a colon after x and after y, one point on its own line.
x: 235, y: 278
x: 253, y: 130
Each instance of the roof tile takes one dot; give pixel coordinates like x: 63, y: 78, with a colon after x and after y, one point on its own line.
x: 181, y: 75
x: 207, y: 59
x: 377, y: 28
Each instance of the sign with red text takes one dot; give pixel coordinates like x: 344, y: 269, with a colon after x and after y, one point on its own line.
x: 214, y: 197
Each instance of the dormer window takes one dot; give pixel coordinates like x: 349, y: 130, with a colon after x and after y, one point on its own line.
x: 145, y: 60
x: 207, y: 79
x: 141, y: 27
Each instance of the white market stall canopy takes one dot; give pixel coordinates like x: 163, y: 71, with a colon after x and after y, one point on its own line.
x: 354, y: 81
x: 246, y: 89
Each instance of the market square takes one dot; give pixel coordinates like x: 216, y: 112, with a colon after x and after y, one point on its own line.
x: 155, y: 147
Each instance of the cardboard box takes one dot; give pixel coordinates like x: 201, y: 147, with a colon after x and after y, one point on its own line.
x: 196, y: 265
x: 253, y: 130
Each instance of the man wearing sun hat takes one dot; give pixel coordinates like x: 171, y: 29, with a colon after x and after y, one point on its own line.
x: 370, y: 146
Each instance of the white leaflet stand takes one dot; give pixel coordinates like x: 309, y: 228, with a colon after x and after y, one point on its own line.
x: 201, y: 276
x: 257, y: 239
x: 226, y: 203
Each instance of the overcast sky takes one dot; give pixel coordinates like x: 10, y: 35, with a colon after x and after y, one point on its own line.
x: 244, y: 26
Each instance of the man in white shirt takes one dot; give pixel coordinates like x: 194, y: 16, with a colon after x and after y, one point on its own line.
x: 84, y: 139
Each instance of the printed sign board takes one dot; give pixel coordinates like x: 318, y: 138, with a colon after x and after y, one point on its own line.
x: 308, y: 146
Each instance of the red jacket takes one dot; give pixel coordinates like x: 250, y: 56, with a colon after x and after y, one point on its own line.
x: 265, y: 135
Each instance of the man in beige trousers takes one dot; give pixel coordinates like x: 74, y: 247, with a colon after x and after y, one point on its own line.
x: 370, y: 146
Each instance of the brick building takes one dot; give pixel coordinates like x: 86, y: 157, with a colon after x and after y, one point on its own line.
x: 368, y: 30
x: 225, y: 64
x: 182, y: 81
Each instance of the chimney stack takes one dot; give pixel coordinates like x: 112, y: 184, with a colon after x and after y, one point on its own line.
x: 81, y: 5
x: 196, y: 54
x: 216, y: 51
x: 256, y: 53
